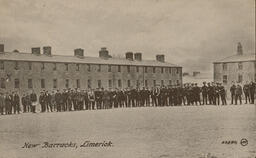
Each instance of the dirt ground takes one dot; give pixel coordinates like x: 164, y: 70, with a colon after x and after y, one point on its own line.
x: 162, y: 132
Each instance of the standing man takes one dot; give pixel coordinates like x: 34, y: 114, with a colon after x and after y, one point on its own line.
x: 1, y: 103
x: 204, y: 93
x: 238, y: 94
x: 246, y: 89
x: 33, y: 99
x: 232, y: 92
x: 16, y: 99
x: 252, y: 88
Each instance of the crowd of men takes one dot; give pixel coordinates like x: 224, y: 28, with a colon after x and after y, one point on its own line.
x: 76, y: 99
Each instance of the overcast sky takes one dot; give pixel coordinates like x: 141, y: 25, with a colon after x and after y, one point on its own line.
x: 191, y: 33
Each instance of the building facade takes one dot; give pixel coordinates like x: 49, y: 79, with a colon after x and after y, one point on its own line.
x: 23, y: 72
x: 239, y: 68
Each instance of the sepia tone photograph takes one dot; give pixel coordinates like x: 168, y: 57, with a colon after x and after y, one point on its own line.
x: 127, y: 79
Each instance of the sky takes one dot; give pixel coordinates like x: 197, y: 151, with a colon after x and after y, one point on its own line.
x: 191, y: 33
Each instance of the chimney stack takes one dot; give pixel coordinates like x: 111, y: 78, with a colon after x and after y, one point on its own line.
x: 129, y: 55
x: 103, y: 53
x: 35, y: 50
x: 160, y: 57
x: 47, y: 50
x: 138, y: 56
x: 79, y: 52
x: 239, y: 49
x: 1, y: 47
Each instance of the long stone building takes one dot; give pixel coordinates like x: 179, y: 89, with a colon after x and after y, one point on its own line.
x: 44, y: 71
x: 238, y: 68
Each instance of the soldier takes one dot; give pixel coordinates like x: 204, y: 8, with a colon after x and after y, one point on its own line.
x: 48, y: 104
x: 24, y: 102
x: 232, y: 92
x: 16, y: 103
x: 223, y: 95
x: 197, y: 92
x: 238, y: 94
x: 91, y: 98
x: 28, y: 103
x: 8, y: 103
x: 252, y: 88
x: 33, y: 99
x: 210, y: 93
x: 58, y: 99
x: 53, y: 101
x: 42, y: 101
x: 204, y: 93
x: 247, y: 92
x: 1, y: 103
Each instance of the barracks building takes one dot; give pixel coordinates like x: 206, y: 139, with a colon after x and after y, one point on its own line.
x: 238, y: 68
x: 41, y: 70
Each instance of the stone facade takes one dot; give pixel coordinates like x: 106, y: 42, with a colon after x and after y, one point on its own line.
x: 62, y: 75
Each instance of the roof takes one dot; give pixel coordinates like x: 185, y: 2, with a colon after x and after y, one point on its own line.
x: 15, y: 56
x: 238, y: 58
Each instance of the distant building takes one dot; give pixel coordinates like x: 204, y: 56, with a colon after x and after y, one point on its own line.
x: 199, y: 78
x: 43, y: 71
x: 195, y: 73
x: 240, y: 68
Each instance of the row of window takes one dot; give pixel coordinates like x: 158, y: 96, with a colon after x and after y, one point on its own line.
x: 16, y: 67
x: 225, y: 79
x: 89, y: 83
x: 225, y: 66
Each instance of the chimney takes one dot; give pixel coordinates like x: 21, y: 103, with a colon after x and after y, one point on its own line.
x: 79, y: 52
x: 129, y: 55
x: 1, y: 47
x: 103, y: 53
x: 138, y: 56
x: 47, y: 50
x: 35, y: 50
x: 239, y: 49
x: 160, y: 57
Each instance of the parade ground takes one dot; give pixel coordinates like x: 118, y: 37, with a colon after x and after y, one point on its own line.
x: 146, y: 132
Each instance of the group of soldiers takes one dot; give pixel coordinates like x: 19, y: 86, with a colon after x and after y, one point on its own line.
x: 76, y: 99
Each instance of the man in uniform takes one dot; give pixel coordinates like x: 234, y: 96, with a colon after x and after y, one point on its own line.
x: 1, y: 103
x: 238, y: 94
x: 16, y: 103
x: 232, y: 92
x: 204, y: 93
x: 252, y: 88
x: 247, y: 92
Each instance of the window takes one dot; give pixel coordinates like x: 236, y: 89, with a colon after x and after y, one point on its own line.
x: 54, y: 66
x: 154, y: 83
x: 16, y: 67
x: 137, y: 69
x: 162, y: 82
x: 99, y: 83
x: 146, y: 83
x: 30, y: 65
x: 77, y: 67
x: 128, y: 83
x: 162, y: 70
x: 154, y: 70
x: 119, y: 83
x: 109, y: 83
x: 88, y: 67
x: 177, y: 70
x: 170, y: 82
x: 99, y: 68
x: 128, y: 68
x: 77, y: 83
x: 54, y: 83
x: 2, y: 83
x: 240, y: 78
x: 42, y: 83
x: 89, y: 83
x: 178, y: 82
x: 224, y: 66
x: 145, y: 69
x: 1, y: 65
x: 225, y: 79
x: 67, y: 83
x: 170, y: 70
x: 30, y: 83
x: 109, y: 68
x: 66, y: 65
x: 16, y: 83
x: 42, y: 67
x: 240, y: 66
x: 119, y: 68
